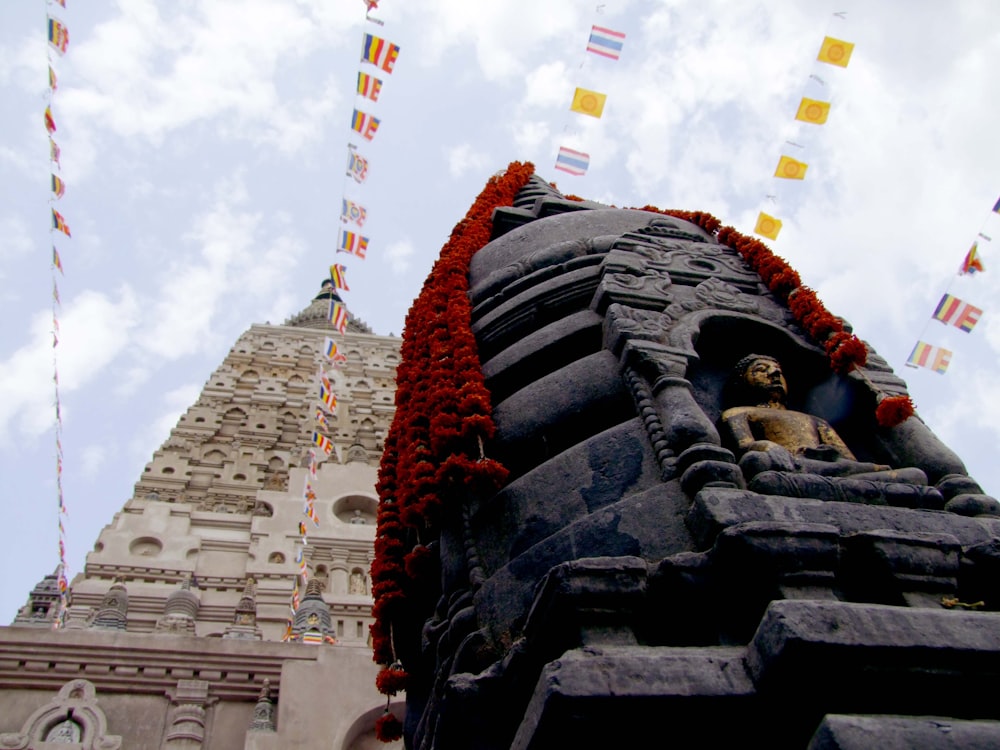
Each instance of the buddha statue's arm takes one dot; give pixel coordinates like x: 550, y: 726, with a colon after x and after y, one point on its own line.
x: 737, y: 421
x: 829, y: 437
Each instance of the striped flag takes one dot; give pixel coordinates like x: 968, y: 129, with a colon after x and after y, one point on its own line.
x: 50, y: 123
x: 369, y: 86
x: 932, y: 357
x: 365, y: 124
x: 59, y: 223
x: 351, y: 242
x: 357, y: 166
x: 338, y: 275
x: 327, y: 397
x: 953, y: 311
x: 58, y: 187
x: 325, y: 444
x: 321, y: 418
x: 605, y: 42
x: 379, y: 52
x: 56, y: 260
x: 338, y: 316
x: 352, y: 211
x: 574, y: 162
x: 58, y: 35
x: 972, y: 262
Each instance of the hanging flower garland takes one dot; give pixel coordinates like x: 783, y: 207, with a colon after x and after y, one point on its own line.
x: 434, y: 452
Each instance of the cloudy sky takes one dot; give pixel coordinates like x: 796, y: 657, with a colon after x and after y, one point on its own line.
x: 204, y: 145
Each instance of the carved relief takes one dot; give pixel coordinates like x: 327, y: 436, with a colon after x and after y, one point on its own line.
x: 72, y: 717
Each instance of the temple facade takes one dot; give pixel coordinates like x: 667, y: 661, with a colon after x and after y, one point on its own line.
x: 179, y: 631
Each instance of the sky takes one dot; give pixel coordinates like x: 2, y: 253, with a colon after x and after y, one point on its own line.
x: 204, y: 145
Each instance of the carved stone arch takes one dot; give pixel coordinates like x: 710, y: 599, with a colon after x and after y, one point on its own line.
x: 76, y: 702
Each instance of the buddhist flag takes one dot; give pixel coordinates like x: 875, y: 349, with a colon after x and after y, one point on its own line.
x: 327, y: 397
x: 574, y: 162
x: 53, y: 81
x: 54, y: 152
x: 972, y: 262
x: 996, y: 206
x: 338, y: 275
x: 953, y: 311
x: 58, y: 35
x: 835, y: 51
x: 338, y: 316
x: 352, y: 242
x: 325, y: 444
x: 58, y: 187
x: 791, y: 169
x: 933, y: 357
x: 369, y: 86
x: 321, y: 418
x: 364, y: 123
x: 605, y: 42
x: 379, y: 52
x: 588, y: 102
x: 767, y: 226
x: 357, y: 166
x: 56, y: 260
x: 59, y: 223
x: 811, y: 110
x: 330, y: 348
x: 352, y: 211
x: 50, y: 123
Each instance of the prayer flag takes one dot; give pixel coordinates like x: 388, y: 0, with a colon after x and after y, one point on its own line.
x: 369, y: 86
x: 324, y: 380
x: 59, y: 223
x: 812, y: 110
x: 58, y: 187
x: 835, y: 51
x: 370, y: 5
x: 325, y: 444
x: 767, y: 226
x: 996, y: 206
x: 605, y: 42
x: 352, y: 211
x: 58, y: 35
x: 379, y: 52
x: 951, y: 310
x: 312, y: 465
x: 53, y: 81
x: 574, y: 162
x: 351, y: 242
x: 365, y: 124
x: 321, y: 418
x: 338, y: 275
x: 933, y: 357
x: 312, y: 638
x: 302, y: 533
x: 588, y: 102
x: 56, y: 260
x: 50, y: 123
x: 357, y: 167
x: 338, y: 316
x: 327, y: 397
x: 329, y: 348
x: 791, y: 169
x: 972, y: 262
x: 54, y: 152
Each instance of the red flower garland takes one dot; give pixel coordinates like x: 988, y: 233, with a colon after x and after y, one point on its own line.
x: 433, y: 453
x: 893, y: 410
x: 388, y: 728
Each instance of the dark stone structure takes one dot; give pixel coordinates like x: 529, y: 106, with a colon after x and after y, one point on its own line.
x: 639, y: 581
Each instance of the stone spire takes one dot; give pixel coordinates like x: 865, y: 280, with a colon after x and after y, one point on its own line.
x: 317, y: 314
x: 263, y: 712
x: 312, y: 619
x: 42, y: 605
x: 244, y: 625
x: 179, y: 612
x: 113, y: 612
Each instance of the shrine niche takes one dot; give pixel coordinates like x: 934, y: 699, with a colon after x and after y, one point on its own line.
x: 683, y: 452
x: 73, y: 718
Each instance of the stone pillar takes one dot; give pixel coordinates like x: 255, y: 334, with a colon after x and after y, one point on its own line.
x: 188, y: 717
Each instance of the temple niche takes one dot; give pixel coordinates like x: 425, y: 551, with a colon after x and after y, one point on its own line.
x: 704, y: 523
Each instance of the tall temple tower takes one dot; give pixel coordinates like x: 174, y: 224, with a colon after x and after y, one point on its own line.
x: 200, y: 577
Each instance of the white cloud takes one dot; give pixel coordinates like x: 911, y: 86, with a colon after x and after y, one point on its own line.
x: 94, y: 330
x: 399, y: 255
x: 463, y: 158
x: 14, y: 241
x: 92, y: 459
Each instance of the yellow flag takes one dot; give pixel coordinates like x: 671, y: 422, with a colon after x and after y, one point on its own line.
x: 835, y: 51
x: 588, y: 102
x: 767, y: 226
x: 811, y: 110
x: 790, y: 169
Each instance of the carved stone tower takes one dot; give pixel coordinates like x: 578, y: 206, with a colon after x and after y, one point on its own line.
x: 673, y: 558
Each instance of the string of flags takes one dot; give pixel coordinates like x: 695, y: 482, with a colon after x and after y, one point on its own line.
x: 58, y: 43
x: 952, y: 311
x: 606, y: 43
x: 832, y: 51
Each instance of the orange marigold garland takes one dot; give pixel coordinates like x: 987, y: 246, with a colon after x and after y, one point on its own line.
x: 893, y: 410
x: 388, y: 728
x: 434, y: 450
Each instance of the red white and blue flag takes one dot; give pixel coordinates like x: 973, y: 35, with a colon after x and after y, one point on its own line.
x: 574, y: 162
x: 605, y: 42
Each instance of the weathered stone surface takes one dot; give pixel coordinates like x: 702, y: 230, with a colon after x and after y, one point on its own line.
x: 839, y: 732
